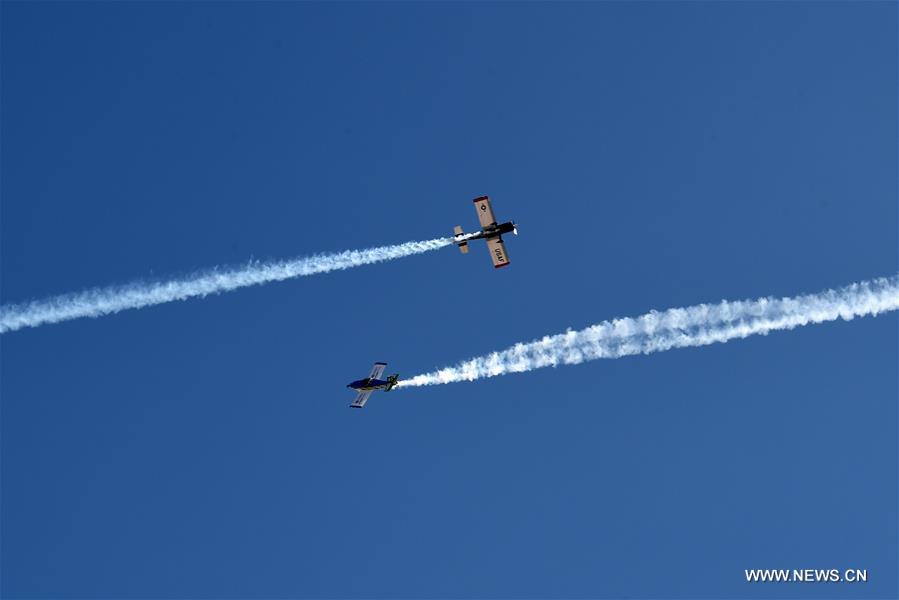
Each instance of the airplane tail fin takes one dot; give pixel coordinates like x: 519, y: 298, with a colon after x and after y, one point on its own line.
x: 463, y: 246
x: 392, y: 381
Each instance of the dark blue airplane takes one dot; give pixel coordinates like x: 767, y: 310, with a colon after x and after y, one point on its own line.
x: 366, y: 386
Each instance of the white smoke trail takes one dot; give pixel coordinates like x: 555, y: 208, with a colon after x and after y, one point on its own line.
x: 675, y: 328
x: 104, y: 301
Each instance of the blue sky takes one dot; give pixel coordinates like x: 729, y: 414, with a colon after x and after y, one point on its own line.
x: 654, y: 155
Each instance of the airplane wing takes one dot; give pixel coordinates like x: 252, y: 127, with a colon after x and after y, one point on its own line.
x: 361, y: 399
x: 485, y: 211
x: 377, y: 370
x: 497, y: 252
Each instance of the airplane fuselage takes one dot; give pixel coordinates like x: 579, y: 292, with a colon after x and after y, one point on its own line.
x: 487, y: 232
x: 369, y: 384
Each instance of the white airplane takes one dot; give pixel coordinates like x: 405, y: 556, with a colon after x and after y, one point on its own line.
x: 490, y: 230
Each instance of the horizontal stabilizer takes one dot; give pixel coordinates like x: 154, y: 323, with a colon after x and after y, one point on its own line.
x: 463, y: 246
x: 392, y: 381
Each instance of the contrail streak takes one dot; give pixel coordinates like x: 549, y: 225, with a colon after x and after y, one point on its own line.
x: 698, y: 325
x: 103, y: 301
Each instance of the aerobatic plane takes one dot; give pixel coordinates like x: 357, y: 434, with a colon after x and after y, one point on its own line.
x: 490, y: 230
x: 373, y: 382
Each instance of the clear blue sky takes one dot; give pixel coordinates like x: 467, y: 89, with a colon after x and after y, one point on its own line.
x: 654, y: 155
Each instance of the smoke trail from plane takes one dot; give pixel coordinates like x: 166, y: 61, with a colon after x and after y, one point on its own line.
x: 698, y: 325
x: 103, y: 301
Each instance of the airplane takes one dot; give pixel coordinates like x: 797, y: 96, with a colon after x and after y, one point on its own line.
x: 490, y: 230
x: 366, y: 386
